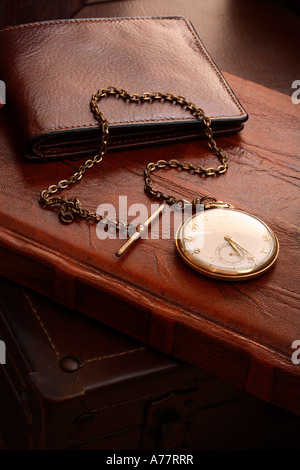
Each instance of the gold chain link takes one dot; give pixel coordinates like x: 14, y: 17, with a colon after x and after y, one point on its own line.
x: 70, y: 207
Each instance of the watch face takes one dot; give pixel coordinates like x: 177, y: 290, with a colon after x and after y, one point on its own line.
x: 227, y: 244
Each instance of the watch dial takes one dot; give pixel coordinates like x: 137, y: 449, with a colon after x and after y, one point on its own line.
x: 227, y: 244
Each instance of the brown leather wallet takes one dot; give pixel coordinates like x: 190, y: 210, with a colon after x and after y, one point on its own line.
x: 52, y: 68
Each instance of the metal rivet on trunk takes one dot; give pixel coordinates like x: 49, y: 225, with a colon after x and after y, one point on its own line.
x: 69, y: 364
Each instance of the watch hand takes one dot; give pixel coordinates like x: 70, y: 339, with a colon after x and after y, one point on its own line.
x: 232, y: 244
x: 229, y: 239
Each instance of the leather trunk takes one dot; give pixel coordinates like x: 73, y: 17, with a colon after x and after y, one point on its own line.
x: 69, y: 382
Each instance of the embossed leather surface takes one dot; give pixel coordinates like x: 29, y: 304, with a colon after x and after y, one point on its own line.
x: 52, y: 69
x: 242, y: 332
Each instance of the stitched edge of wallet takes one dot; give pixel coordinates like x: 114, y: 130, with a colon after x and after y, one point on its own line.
x: 142, y: 18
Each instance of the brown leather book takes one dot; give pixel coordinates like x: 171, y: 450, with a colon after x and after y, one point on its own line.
x: 244, y: 331
x: 52, y: 68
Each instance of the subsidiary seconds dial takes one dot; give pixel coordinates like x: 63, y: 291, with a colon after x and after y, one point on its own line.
x: 227, y: 243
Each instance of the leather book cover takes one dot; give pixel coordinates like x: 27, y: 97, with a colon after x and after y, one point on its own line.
x: 244, y: 332
x: 52, y: 68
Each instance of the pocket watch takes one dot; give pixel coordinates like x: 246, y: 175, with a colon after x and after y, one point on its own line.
x: 227, y: 243
x: 220, y: 242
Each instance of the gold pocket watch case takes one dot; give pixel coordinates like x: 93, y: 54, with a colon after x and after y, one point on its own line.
x: 227, y: 243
